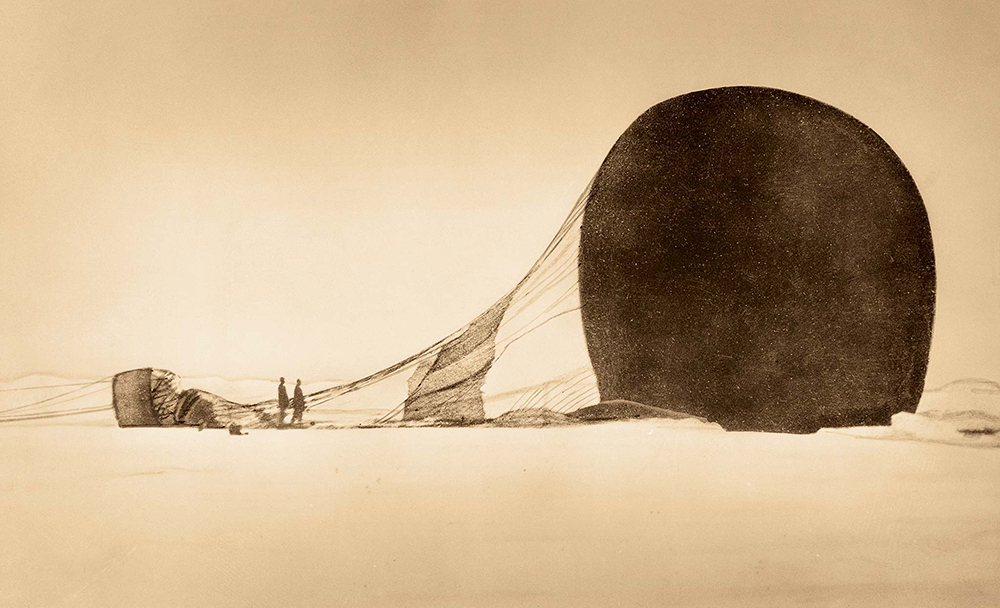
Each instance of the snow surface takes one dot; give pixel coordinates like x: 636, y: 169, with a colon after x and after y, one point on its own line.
x: 623, y: 514
x: 648, y: 512
x: 965, y: 412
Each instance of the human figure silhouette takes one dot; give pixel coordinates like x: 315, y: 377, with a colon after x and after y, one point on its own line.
x: 282, y: 402
x: 298, y: 403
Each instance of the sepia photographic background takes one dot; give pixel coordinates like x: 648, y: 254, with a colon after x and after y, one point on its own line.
x: 319, y: 189
x: 247, y: 189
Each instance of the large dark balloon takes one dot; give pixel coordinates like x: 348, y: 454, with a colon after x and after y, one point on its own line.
x: 758, y: 258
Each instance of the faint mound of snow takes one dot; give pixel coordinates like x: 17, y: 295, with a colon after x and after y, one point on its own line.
x: 965, y: 428
x: 969, y: 428
x: 532, y: 417
x: 969, y: 384
x: 622, y: 409
x: 968, y: 395
x: 422, y: 423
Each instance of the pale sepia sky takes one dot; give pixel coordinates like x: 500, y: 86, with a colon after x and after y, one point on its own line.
x: 318, y: 189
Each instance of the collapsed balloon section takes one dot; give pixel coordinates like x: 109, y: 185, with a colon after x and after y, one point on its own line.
x: 153, y: 397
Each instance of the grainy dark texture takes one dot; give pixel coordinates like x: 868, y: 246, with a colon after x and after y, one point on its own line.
x: 758, y: 258
x: 152, y: 397
x: 622, y: 409
x: 132, y: 398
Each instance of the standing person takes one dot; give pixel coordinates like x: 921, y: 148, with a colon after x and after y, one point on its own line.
x: 282, y: 402
x: 298, y: 403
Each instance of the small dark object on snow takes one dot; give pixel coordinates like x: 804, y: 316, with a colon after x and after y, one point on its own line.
x: 983, y: 431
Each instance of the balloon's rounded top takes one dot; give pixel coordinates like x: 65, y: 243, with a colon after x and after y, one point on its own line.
x: 758, y: 258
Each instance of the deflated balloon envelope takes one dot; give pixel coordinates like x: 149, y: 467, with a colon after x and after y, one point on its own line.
x: 760, y: 259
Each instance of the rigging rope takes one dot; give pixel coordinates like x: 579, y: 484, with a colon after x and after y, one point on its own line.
x: 67, y: 413
x: 556, y: 266
x: 569, y: 384
x: 32, y: 388
x: 29, y: 405
x: 553, y: 247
